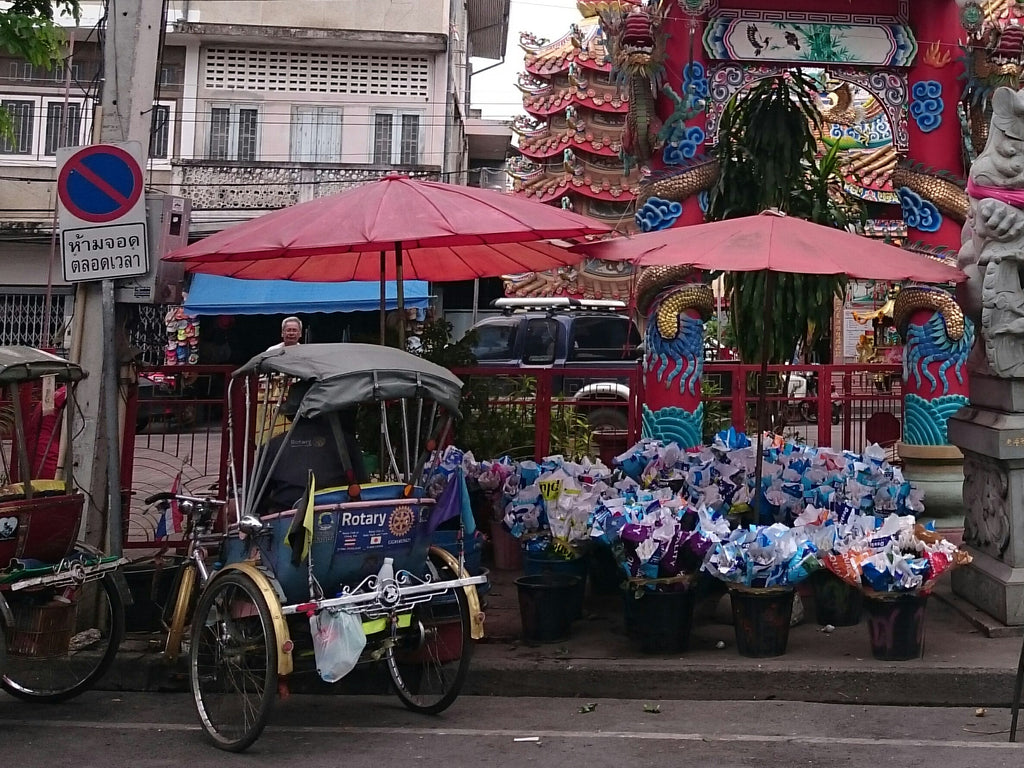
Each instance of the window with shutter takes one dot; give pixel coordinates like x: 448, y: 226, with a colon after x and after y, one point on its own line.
x: 316, y: 134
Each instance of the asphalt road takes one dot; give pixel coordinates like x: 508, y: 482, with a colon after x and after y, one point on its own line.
x: 104, y: 730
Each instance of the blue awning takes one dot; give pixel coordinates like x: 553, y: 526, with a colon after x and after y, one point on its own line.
x: 215, y: 295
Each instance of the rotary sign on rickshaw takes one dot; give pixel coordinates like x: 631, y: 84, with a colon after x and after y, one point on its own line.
x: 102, y: 212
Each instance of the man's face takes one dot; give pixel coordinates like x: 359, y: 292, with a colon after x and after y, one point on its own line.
x: 290, y: 334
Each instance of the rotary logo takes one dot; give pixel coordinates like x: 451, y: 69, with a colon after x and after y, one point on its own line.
x: 401, y: 520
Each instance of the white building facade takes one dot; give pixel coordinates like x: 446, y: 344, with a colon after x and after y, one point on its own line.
x: 258, y: 105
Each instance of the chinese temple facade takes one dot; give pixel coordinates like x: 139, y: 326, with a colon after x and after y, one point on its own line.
x: 571, y: 155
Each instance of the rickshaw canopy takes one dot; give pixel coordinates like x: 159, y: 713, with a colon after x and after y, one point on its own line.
x: 344, y: 375
x: 20, y: 363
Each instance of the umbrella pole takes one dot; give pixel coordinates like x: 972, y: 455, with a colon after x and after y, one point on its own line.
x: 401, y: 296
x: 762, y: 394
x: 383, y: 298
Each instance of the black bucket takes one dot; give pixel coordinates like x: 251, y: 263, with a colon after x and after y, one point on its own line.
x: 896, y: 625
x: 835, y: 601
x: 760, y: 617
x: 535, y: 563
x: 659, y: 621
x: 606, y: 575
x: 544, y: 601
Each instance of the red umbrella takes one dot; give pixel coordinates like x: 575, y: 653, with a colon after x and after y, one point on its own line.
x: 774, y: 242
x: 439, y: 232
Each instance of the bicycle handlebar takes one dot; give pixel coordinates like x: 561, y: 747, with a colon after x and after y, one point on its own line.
x: 168, y: 496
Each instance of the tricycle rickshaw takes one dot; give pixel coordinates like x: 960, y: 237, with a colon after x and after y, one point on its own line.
x: 340, y: 563
x: 61, y: 600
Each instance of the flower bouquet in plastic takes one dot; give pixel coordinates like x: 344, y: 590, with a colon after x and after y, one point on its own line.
x: 895, y: 562
x: 654, y: 537
x: 761, y: 566
x: 656, y: 544
x: 547, y: 505
x: 889, y: 555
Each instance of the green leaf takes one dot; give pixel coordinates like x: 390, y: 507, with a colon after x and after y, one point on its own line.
x: 588, y: 708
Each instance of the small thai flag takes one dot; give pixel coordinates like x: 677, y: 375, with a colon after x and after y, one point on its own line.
x: 170, y: 514
x: 349, y: 542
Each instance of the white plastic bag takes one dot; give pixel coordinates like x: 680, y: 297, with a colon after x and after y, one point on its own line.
x: 338, y: 639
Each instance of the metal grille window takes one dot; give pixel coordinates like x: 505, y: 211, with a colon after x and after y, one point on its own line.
x: 22, y: 319
x: 258, y: 69
x: 21, y: 114
x: 410, y: 139
x: 160, y: 131
x: 316, y: 134
x: 234, y: 133
x: 396, y: 138
x: 247, y: 134
x: 220, y: 133
x: 62, y: 130
x: 382, y: 130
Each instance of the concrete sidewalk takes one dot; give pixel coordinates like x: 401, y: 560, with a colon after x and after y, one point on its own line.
x: 968, y: 660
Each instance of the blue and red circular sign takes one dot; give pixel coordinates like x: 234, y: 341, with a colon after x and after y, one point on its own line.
x: 100, y: 183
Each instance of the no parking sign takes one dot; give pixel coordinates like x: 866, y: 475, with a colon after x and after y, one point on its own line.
x: 102, y: 212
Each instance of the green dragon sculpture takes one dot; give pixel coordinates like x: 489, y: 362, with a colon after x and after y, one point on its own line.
x: 636, y: 49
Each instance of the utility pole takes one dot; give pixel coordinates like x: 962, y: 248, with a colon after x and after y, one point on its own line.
x: 130, y: 49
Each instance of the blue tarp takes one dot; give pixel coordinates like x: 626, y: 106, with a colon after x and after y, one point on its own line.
x: 215, y: 295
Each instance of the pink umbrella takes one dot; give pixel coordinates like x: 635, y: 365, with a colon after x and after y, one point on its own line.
x: 777, y: 243
x: 439, y: 232
x: 774, y: 242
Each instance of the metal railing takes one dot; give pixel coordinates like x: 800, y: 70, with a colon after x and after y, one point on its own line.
x: 528, y: 413
x: 175, y: 427
x: 835, y: 408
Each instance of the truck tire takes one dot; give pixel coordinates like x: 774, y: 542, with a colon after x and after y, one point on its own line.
x: 608, y: 419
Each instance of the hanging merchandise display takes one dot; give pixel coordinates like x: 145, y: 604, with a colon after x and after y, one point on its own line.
x: 182, y: 337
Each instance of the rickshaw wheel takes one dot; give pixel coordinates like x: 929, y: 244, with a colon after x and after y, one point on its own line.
x: 428, y: 664
x: 58, y: 649
x: 233, y: 661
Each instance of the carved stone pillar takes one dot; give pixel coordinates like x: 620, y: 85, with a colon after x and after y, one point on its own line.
x: 990, y: 431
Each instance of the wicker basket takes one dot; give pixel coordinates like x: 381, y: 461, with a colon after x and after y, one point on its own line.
x: 42, y: 631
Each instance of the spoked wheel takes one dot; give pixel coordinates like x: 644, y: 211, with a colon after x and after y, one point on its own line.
x: 233, y: 661
x: 428, y: 663
x: 61, y: 644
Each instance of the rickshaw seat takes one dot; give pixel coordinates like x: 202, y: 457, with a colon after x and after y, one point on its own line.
x: 39, y: 488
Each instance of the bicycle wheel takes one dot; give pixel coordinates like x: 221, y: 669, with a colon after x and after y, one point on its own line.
x: 233, y: 661
x: 57, y: 650
x: 429, y: 663
x: 183, y: 602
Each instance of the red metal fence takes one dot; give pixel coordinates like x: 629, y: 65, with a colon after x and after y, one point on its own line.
x: 838, y: 408
x: 182, y: 425
x: 175, y: 426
